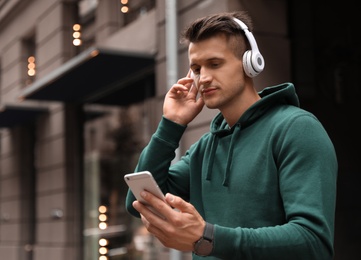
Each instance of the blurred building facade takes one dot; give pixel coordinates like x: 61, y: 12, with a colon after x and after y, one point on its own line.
x: 81, y: 90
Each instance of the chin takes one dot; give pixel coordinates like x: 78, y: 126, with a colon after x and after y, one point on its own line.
x: 210, y: 105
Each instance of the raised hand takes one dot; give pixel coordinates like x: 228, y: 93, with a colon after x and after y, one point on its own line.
x: 181, y: 104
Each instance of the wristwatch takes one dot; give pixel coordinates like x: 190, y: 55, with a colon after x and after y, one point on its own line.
x: 204, y: 246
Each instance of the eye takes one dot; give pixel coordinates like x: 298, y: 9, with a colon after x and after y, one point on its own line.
x: 196, y: 71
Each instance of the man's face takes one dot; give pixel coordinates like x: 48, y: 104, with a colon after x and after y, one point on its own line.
x: 218, y: 71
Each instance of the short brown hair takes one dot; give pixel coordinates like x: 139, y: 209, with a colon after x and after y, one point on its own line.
x: 220, y: 23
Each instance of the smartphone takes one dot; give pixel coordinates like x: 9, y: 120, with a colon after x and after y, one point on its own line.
x: 140, y: 181
x: 195, y: 82
x: 195, y: 79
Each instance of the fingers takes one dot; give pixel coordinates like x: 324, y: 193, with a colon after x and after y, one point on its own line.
x: 177, y: 91
x: 184, y: 84
x: 179, y: 229
x: 187, y: 82
x: 182, y: 103
x: 187, y: 79
x: 153, y: 229
x: 156, y: 206
x: 183, y: 89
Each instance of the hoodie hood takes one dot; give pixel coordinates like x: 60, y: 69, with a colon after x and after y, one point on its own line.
x: 283, y: 94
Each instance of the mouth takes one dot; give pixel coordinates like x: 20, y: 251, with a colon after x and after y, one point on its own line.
x: 208, y: 90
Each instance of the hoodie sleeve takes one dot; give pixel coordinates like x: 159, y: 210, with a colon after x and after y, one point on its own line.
x: 157, y: 157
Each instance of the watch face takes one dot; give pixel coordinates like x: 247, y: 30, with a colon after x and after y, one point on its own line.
x: 203, y: 247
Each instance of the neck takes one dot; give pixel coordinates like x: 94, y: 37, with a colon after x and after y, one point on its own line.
x: 232, y: 113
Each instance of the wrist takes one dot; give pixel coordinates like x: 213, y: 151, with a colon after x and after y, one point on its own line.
x: 178, y: 121
x: 204, y: 246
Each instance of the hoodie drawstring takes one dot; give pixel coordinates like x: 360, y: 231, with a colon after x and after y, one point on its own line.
x: 236, y: 130
x: 214, y: 144
x: 213, y: 147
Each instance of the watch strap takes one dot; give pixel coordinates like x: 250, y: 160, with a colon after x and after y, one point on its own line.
x: 204, y: 245
x: 208, y: 231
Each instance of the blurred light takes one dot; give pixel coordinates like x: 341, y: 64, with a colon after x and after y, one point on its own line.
x: 103, y: 242
x: 102, y: 209
x: 124, y: 2
x: 31, y: 66
x: 103, y: 257
x: 76, y: 42
x: 31, y: 73
x: 125, y: 9
x: 103, y: 250
x: 76, y: 27
x: 102, y: 217
x: 103, y: 225
x: 76, y: 35
x: 31, y: 59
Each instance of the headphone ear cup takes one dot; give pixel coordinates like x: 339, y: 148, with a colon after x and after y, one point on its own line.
x: 247, y: 64
x: 253, y: 63
x: 257, y: 62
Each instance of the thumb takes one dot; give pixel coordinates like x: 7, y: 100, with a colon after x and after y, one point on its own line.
x: 176, y: 202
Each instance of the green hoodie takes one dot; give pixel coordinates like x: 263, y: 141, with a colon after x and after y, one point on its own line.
x: 268, y: 184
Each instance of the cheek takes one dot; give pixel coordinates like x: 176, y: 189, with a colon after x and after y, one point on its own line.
x: 234, y: 85
x: 234, y: 70
x: 233, y: 78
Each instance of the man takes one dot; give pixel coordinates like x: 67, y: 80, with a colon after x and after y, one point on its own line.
x: 262, y: 183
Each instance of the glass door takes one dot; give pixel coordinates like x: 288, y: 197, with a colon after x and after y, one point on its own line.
x: 112, y: 146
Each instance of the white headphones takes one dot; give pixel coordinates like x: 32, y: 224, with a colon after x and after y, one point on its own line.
x: 253, y: 62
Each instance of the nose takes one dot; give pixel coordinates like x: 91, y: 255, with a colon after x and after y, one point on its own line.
x: 204, y: 78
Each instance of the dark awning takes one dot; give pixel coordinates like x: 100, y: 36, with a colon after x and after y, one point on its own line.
x: 98, y: 75
x: 14, y: 115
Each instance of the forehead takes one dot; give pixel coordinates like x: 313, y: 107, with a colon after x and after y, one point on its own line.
x: 211, y: 48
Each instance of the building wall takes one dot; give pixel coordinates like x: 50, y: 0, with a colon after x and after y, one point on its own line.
x: 48, y: 22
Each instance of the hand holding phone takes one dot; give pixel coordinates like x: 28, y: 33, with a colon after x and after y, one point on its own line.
x: 141, y: 181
